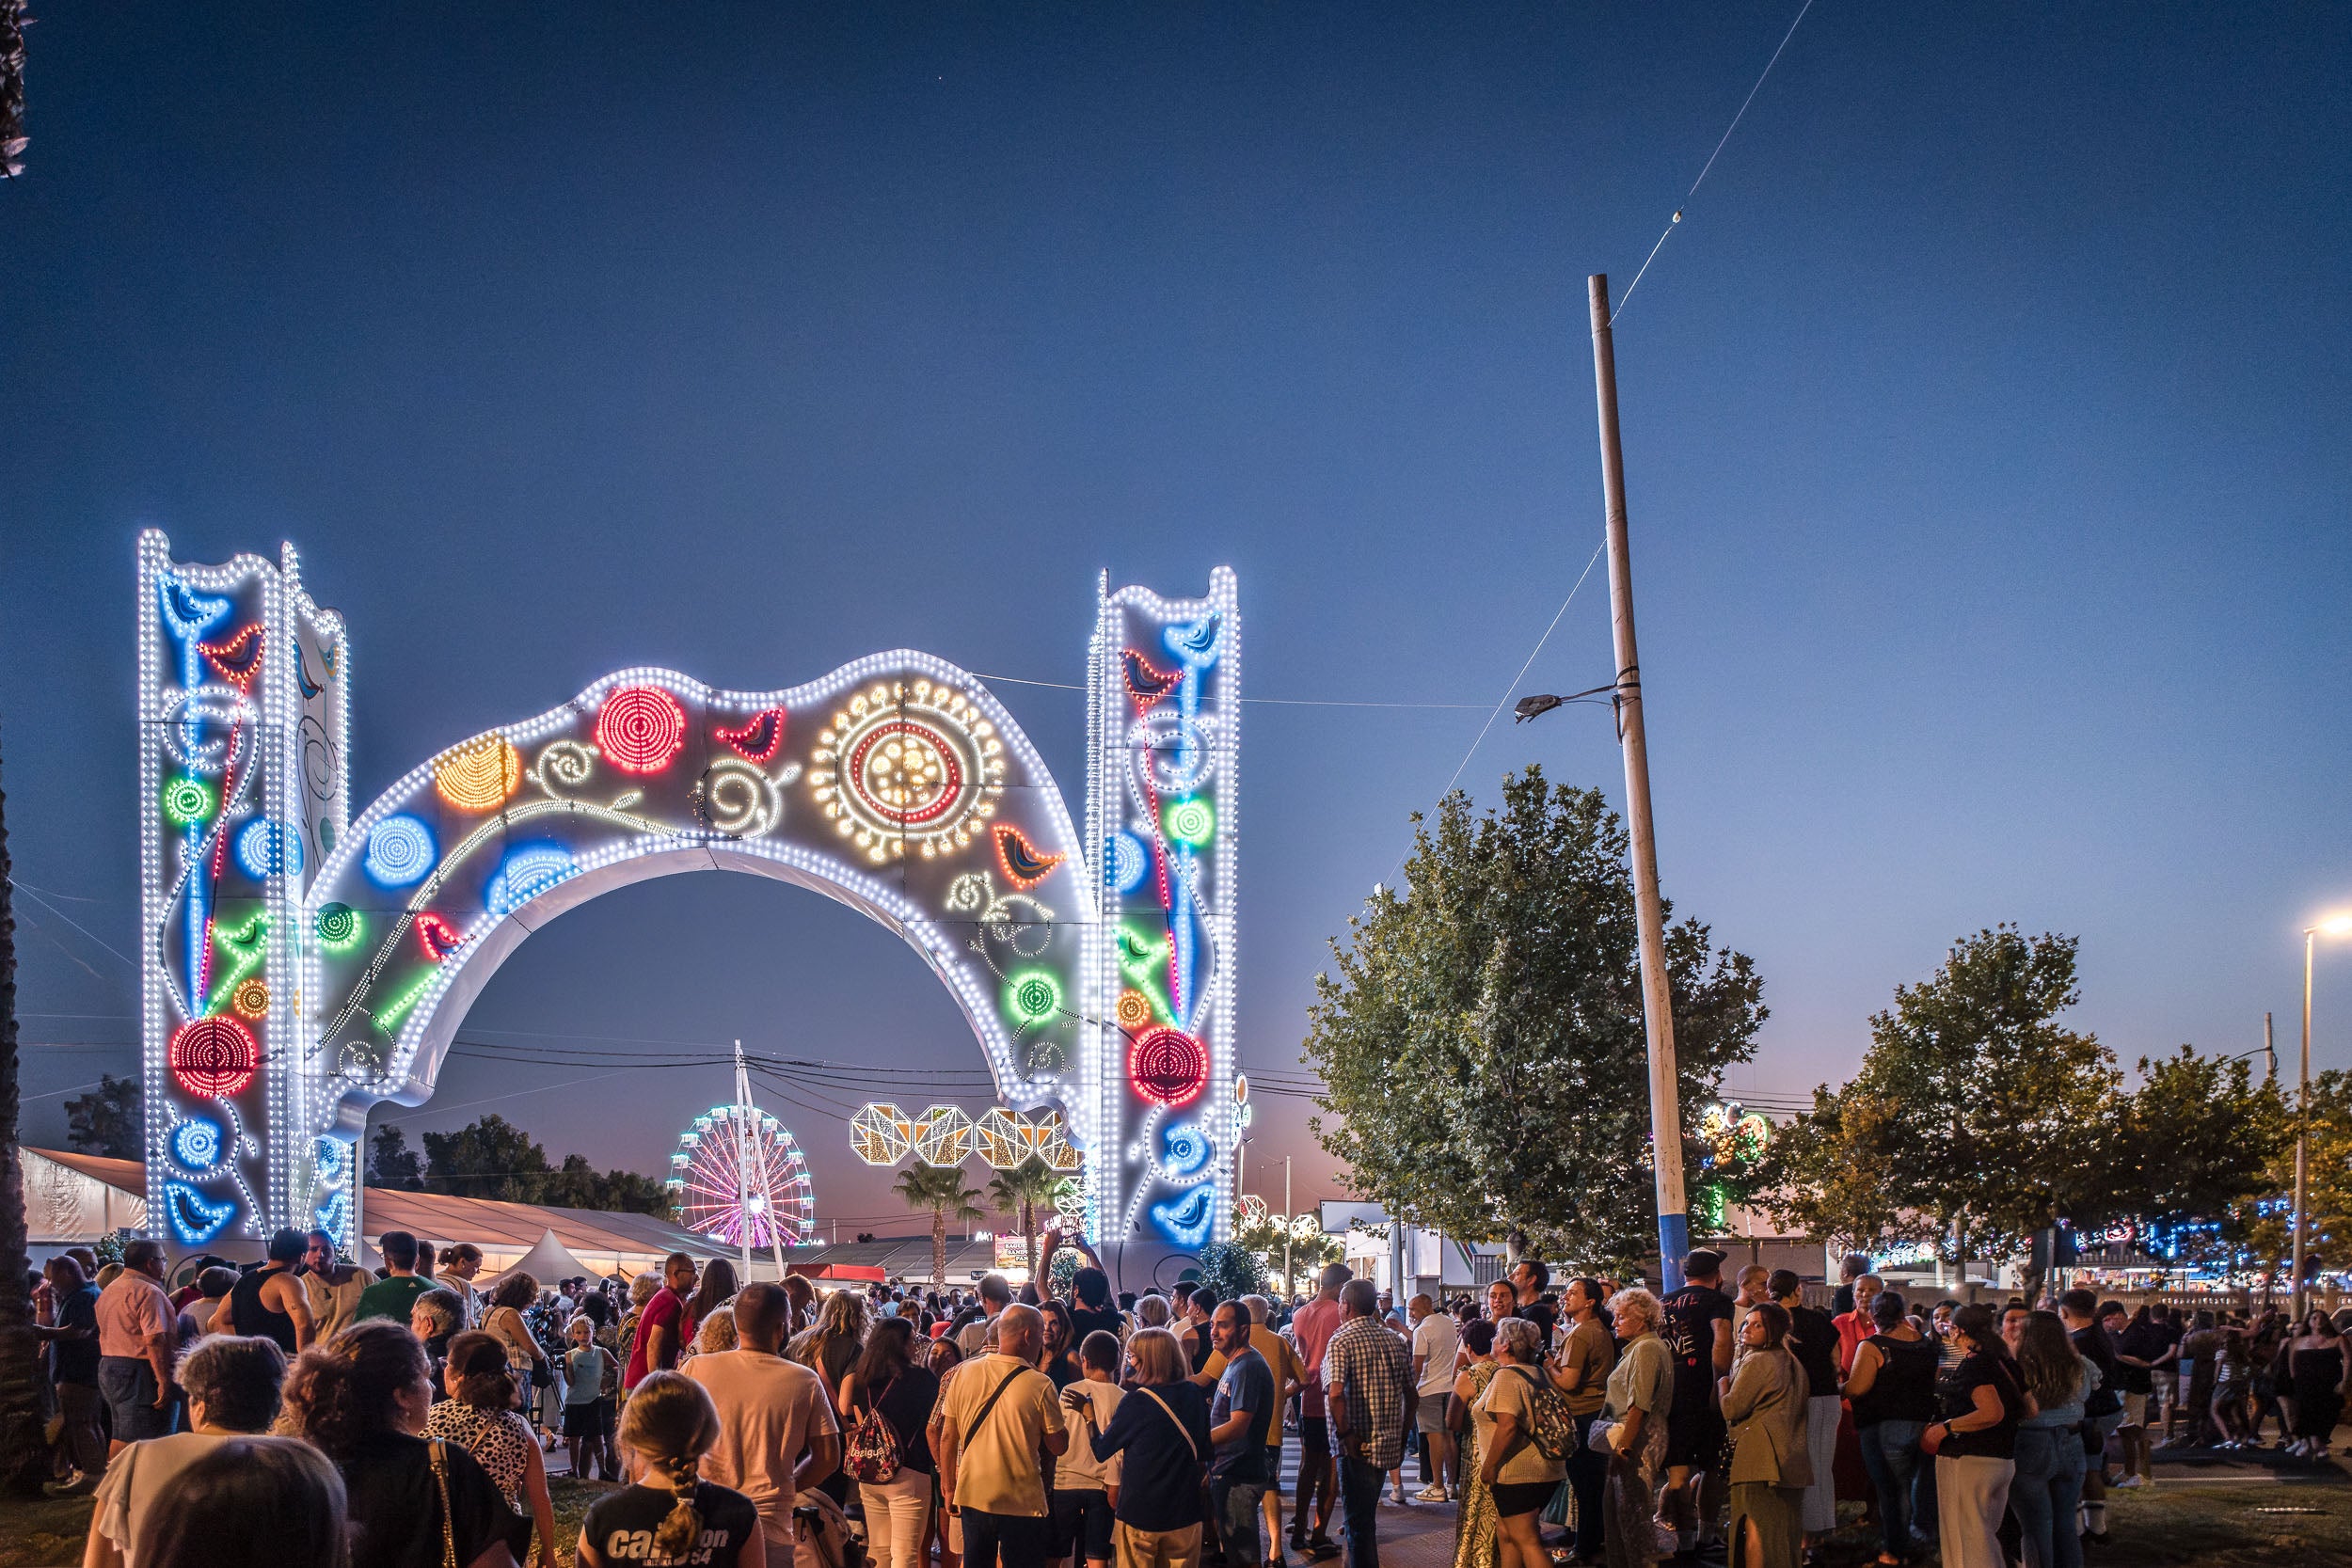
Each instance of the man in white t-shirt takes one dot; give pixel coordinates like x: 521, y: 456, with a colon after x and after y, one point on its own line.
x: 777, y: 1435
x: 1436, y: 1342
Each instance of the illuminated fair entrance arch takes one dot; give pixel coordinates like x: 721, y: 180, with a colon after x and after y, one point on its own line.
x: 302, y: 965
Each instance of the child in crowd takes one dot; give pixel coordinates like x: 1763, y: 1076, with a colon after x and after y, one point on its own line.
x: 671, y: 1516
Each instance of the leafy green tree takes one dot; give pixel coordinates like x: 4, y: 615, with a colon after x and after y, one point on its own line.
x: 491, y: 1158
x: 1482, y: 1038
x: 942, y: 1190
x: 1978, y: 1116
x: 2327, y: 1185
x: 578, y: 1185
x: 2200, y: 1137
x: 110, y: 1120
x: 1308, y: 1250
x: 1232, y: 1269
x: 391, y: 1163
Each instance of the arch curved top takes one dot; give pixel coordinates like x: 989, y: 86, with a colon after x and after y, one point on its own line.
x: 896, y: 785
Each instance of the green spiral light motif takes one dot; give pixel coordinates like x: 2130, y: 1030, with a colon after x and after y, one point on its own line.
x: 1033, y: 996
x: 1190, y: 821
x: 338, y: 928
x: 187, y: 801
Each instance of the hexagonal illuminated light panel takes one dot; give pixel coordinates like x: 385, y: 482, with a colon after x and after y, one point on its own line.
x: 880, y: 1133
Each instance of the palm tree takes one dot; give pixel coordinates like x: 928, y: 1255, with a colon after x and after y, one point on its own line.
x: 25, y: 1455
x: 941, y: 1189
x: 1020, y: 1191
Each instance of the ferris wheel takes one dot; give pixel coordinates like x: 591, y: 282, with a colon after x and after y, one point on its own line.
x: 739, y: 1177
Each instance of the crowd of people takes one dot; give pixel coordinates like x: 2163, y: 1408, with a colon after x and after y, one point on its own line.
x: 306, y: 1411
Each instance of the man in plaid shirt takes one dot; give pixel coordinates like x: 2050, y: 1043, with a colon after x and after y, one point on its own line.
x: 1368, y: 1381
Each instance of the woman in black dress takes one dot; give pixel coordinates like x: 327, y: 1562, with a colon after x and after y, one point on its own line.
x: 2318, y: 1364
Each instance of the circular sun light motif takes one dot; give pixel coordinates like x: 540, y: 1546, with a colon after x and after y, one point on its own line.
x: 908, y: 763
x: 479, y: 775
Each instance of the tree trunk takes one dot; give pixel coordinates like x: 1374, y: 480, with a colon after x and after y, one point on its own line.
x: 1028, y: 1236
x: 939, y: 1249
x: 23, y: 1454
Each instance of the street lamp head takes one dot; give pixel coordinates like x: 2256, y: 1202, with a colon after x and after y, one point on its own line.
x: 2333, y: 925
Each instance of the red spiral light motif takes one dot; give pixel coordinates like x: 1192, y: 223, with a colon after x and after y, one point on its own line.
x: 215, y: 1057
x: 1168, y: 1067
x: 641, y: 729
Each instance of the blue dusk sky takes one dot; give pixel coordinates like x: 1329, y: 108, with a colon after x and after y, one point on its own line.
x: 1986, y: 422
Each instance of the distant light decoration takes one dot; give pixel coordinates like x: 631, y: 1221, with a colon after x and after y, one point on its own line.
x: 251, y: 999
x: 641, y: 729
x: 1192, y: 821
x: 943, y: 1136
x: 908, y: 763
x: 194, y: 1218
x: 196, y: 1143
x: 215, y: 1057
x: 1168, y: 1067
x: 739, y: 1179
x: 1253, y: 1209
x: 339, y: 928
x: 758, y: 739
x: 997, y: 1136
x: 187, y: 802
x: 264, y: 848
x: 1184, y: 1221
x: 528, y: 871
x: 1133, y: 1010
x: 1023, y: 863
x: 880, y: 1133
x: 1033, y: 996
x: 401, y: 851
x: 1126, y: 861
x: 481, y: 775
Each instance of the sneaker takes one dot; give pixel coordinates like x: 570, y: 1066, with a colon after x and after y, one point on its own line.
x: 1433, y: 1493
x: 82, y: 1485
x: 2128, y: 1483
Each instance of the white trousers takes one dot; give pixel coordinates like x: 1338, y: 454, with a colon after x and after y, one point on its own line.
x: 1971, y: 1495
x: 1820, y: 1443
x: 894, y: 1517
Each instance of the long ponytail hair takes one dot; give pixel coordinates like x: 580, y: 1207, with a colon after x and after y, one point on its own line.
x: 670, y: 1423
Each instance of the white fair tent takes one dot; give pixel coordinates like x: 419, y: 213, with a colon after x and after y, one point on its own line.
x: 548, y: 1261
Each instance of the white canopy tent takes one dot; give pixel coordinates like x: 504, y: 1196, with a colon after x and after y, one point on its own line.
x: 548, y: 1261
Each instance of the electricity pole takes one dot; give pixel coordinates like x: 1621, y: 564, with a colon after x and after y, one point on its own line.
x: 1665, y: 1114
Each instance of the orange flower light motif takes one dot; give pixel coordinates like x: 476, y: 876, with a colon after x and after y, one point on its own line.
x: 480, y: 775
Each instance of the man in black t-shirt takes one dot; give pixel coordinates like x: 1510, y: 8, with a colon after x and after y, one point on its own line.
x: 1529, y: 1279
x: 2103, y: 1411
x: 1699, y: 1332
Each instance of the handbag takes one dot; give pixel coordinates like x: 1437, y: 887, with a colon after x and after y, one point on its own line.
x: 438, y: 1452
x: 870, y: 1450
x: 1192, y: 1447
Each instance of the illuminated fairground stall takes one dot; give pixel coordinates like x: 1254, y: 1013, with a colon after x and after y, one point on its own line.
x: 302, y: 963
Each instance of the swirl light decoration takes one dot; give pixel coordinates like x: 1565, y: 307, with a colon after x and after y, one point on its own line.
x: 737, y: 799
x: 1034, y: 996
x: 564, y: 767
x: 197, y: 1144
x: 215, y: 1057
x: 1190, y: 821
x: 401, y: 851
x: 481, y: 775
x: 1184, y: 1148
x: 209, y: 730
x: 641, y: 729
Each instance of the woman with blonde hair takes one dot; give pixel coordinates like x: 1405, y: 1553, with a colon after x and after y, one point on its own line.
x: 716, y: 1334
x: 1162, y: 1429
x: 667, y: 1426
x: 1641, y: 1392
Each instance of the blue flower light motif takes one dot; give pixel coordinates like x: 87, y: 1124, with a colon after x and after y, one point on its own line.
x: 401, y: 851
x: 528, y: 871
x: 264, y: 848
x: 1186, y: 1220
x: 1184, y: 1148
x: 196, y: 1143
